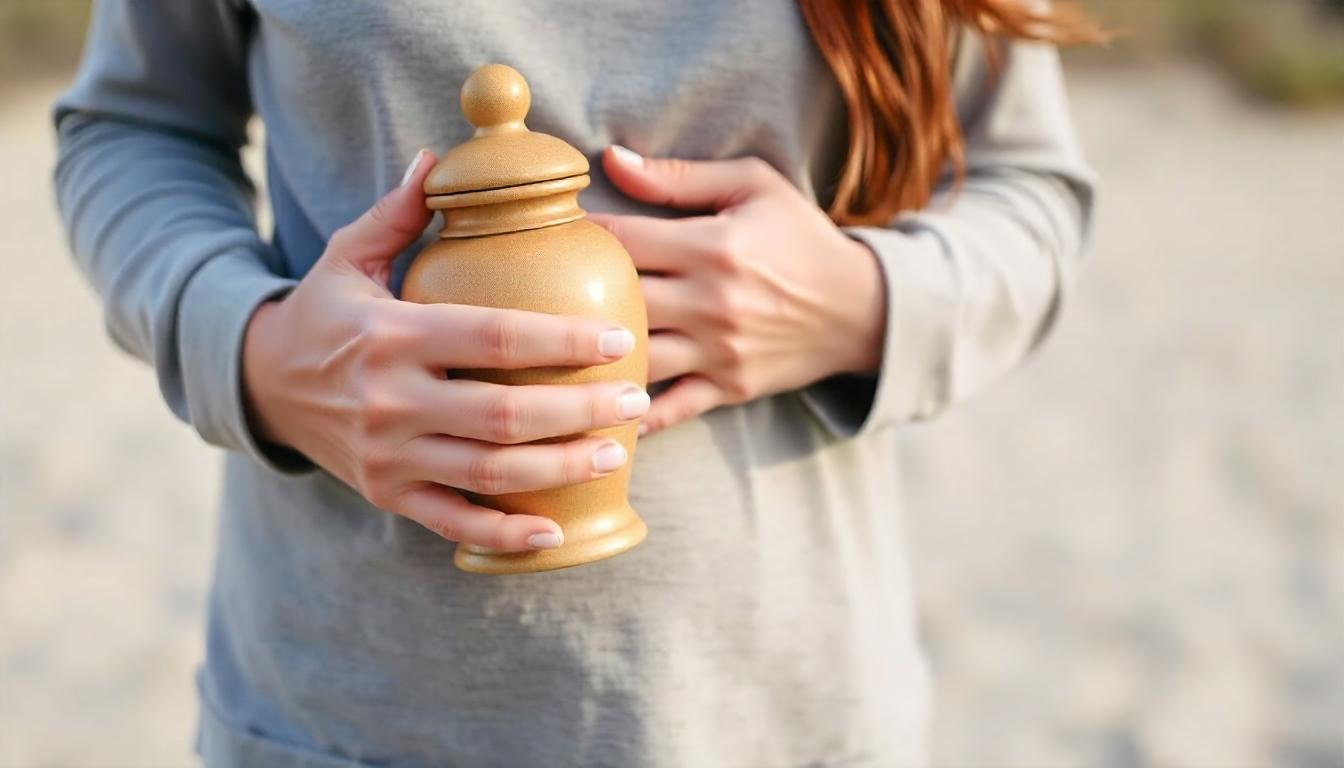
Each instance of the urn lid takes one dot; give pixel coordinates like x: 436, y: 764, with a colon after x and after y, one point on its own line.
x: 503, y: 152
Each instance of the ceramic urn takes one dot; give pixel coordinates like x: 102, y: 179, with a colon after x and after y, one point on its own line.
x: 515, y: 237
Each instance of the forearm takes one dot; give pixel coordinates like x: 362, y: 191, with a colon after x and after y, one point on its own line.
x: 975, y: 285
x: 161, y: 223
x: 971, y: 284
x: 976, y: 279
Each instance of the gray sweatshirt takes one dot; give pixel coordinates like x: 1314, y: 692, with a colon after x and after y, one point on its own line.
x: 767, y: 620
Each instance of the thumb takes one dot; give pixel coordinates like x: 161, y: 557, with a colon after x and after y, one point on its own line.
x: 702, y: 185
x: 370, y: 242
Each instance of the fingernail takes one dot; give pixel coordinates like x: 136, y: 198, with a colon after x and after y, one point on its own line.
x: 616, y: 343
x: 609, y: 457
x: 627, y: 156
x: 545, y: 540
x: 632, y: 404
x: 410, y: 169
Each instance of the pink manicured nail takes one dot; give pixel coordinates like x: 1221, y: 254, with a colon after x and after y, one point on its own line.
x: 545, y: 540
x: 609, y: 457
x: 627, y: 156
x: 410, y: 169
x: 632, y: 404
x: 616, y: 343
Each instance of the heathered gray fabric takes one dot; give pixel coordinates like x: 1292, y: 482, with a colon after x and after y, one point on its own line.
x: 767, y: 620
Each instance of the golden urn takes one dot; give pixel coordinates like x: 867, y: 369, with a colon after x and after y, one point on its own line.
x: 515, y: 237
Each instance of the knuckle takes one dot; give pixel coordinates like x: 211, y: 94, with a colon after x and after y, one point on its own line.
x: 374, y: 476
x: 576, y: 463
x: 684, y: 411
x: 378, y: 410
x: 445, y: 527
x: 383, y: 334
x: 379, y: 496
x: 497, y: 539
x: 575, y: 336
x: 485, y: 475
x: 615, y: 226
x: 733, y: 350
x: 380, y: 212
x: 505, y: 419
x: 499, y: 340
x: 725, y: 250
x: 735, y: 385
x: 675, y: 169
x: 726, y: 308
x: 339, y: 242
x: 377, y: 462
x: 601, y: 408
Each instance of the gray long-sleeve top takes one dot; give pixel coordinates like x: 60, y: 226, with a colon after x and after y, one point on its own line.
x: 767, y: 620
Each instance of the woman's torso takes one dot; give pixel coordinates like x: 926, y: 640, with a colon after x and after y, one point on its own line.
x: 766, y: 620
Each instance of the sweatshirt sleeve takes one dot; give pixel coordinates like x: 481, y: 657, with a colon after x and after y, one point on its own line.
x: 156, y: 205
x: 976, y: 280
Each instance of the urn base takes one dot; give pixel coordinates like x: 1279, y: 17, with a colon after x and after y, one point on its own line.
x: 627, y: 531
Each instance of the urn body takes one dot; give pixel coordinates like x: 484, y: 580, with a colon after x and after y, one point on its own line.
x: 571, y: 268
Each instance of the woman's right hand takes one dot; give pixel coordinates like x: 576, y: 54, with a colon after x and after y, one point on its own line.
x: 351, y: 377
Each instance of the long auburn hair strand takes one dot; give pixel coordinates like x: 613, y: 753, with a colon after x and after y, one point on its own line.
x: 893, y: 61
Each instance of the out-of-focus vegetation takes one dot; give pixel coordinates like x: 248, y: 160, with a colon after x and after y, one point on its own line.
x: 39, y: 37
x: 1289, y: 51
x: 1285, y: 51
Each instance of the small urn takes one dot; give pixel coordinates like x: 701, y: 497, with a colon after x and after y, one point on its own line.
x: 515, y: 237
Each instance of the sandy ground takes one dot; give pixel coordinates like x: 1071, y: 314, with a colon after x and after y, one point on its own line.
x: 1132, y: 553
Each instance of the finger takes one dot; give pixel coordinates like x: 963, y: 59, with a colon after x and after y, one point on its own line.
x: 490, y: 469
x: 394, y: 222
x: 688, y: 398
x: 701, y: 185
x: 509, y: 415
x: 671, y: 355
x: 658, y: 245
x: 463, y: 336
x: 445, y: 512
x: 672, y: 303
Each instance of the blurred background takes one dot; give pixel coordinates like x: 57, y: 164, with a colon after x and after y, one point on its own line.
x: 1130, y: 554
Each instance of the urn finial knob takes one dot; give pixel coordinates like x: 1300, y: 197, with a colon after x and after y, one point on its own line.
x: 503, y: 153
x: 495, y: 96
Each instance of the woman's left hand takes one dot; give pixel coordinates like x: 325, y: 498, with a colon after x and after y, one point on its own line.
x: 761, y: 295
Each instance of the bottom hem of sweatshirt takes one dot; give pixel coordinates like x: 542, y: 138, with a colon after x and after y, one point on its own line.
x: 221, y: 744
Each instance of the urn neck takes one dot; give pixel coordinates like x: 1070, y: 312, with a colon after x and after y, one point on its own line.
x: 510, y: 209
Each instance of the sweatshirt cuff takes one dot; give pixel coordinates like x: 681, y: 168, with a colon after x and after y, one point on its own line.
x: 213, y: 315
x: 914, y: 372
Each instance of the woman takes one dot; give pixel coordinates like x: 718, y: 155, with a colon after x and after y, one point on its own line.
x: 767, y: 620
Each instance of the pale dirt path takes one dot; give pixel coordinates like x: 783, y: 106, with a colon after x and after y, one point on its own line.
x: 106, y: 504
x: 1131, y: 554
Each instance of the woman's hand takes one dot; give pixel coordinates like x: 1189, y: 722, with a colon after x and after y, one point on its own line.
x: 352, y: 378
x: 763, y: 296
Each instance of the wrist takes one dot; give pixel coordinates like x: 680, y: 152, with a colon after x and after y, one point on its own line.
x: 862, y: 310
x: 259, y: 342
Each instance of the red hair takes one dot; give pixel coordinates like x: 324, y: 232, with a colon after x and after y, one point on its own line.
x: 893, y: 62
